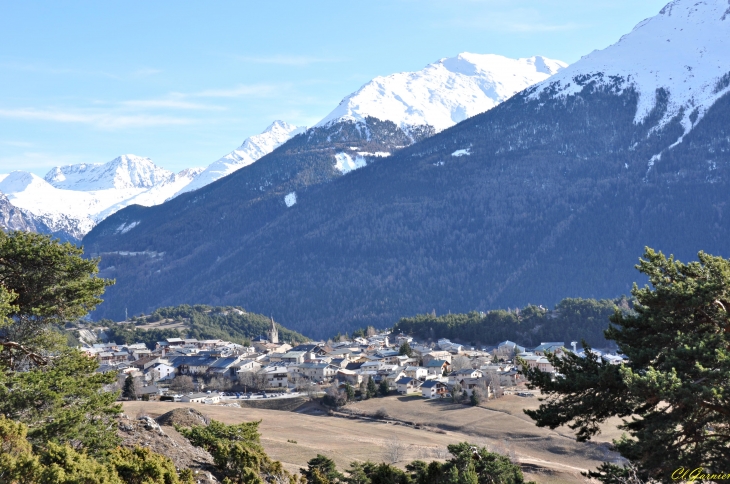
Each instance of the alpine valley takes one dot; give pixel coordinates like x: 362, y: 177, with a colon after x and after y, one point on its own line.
x: 478, y: 182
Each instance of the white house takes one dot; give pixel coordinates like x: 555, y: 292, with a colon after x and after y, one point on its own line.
x: 433, y: 389
x: 408, y: 386
x: 415, y: 372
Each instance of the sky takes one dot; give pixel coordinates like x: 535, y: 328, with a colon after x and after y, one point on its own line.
x: 184, y: 83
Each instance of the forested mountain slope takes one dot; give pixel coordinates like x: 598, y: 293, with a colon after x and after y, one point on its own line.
x: 552, y: 194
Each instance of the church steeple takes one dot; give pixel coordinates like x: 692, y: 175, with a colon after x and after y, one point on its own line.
x: 273, y: 333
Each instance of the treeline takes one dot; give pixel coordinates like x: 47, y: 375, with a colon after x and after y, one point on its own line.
x: 571, y: 320
x: 202, y: 322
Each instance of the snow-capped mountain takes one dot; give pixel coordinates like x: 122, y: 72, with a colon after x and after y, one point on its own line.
x: 123, y: 172
x: 250, y: 150
x: 73, y: 198
x: 445, y: 92
x: 684, y: 51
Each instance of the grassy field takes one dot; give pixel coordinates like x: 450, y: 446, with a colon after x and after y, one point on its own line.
x: 546, y: 456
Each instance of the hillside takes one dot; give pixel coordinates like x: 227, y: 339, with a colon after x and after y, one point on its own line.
x: 201, y: 322
x: 571, y: 320
x: 552, y: 194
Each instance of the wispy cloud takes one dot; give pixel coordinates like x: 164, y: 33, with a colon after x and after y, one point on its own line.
x: 16, y: 144
x: 103, y: 120
x: 287, y: 60
x: 538, y: 27
x: 170, y: 104
x: 242, y: 90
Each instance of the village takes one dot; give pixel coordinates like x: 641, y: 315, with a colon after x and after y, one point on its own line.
x: 210, y: 371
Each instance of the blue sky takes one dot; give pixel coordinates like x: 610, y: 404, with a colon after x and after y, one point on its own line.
x: 185, y: 82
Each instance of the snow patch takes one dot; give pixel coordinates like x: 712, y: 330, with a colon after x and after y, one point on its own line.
x: 378, y: 154
x: 124, y: 228
x: 345, y: 163
x: 458, y: 153
x: 290, y: 199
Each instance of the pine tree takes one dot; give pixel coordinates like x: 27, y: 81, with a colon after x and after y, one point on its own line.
x: 349, y: 392
x: 372, y: 390
x: 383, y: 388
x: 671, y: 388
x: 405, y: 350
x: 129, y: 391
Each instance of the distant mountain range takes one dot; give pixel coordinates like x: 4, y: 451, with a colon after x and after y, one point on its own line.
x: 77, y: 197
x: 551, y: 194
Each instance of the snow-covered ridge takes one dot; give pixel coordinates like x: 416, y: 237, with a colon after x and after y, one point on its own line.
x: 74, y: 198
x: 123, y: 172
x: 685, y: 49
x: 445, y: 92
x: 251, y: 150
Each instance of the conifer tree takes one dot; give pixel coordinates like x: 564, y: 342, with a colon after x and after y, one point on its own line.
x: 672, y: 391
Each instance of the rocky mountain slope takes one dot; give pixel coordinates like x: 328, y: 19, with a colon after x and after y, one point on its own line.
x: 551, y: 194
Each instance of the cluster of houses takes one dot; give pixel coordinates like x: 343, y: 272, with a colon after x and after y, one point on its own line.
x: 432, y: 370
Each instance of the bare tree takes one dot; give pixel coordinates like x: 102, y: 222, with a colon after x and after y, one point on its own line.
x: 395, y: 450
x: 494, y: 385
x: 220, y: 383
x: 182, y: 384
x: 253, y: 381
x: 460, y: 362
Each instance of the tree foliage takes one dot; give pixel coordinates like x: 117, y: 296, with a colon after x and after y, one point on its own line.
x: 54, y: 463
x: 672, y: 392
x: 237, y: 452
x: 42, y: 283
x: 572, y: 318
x: 201, y: 322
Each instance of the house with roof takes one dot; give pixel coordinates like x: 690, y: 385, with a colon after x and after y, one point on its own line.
x: 394, y: 376
x: 292, y: 356
x: 434, y: 389
x: 244, y: 366
x: 224, y: 366
x: 550, y: 347
x: 416, y: 372
x: 349, y: 376
x: 468, y: 384
x: 508, y: 347
x: 539, y: 362
x: 437, y: 367
x: 436, y: 355
x: 192, y: 365
x: 201, y: 398
x: 318, y: 371
x: 159, y: 372
x: 458, y: 375
x: 408, y: 386
x: 277, y: 376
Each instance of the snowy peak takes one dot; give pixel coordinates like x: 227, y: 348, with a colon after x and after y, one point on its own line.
x: 126, y: 171
x: 18, y: 181
x: 250, y: 150
x: 684, y: 50
x: 445, y: 92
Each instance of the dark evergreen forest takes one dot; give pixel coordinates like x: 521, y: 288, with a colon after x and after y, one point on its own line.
x: 571, y: 320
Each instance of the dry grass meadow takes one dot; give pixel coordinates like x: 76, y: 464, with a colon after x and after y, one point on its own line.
x: 295, y: 437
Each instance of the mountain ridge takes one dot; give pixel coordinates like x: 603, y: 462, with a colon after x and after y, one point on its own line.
x: 543, y: 197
